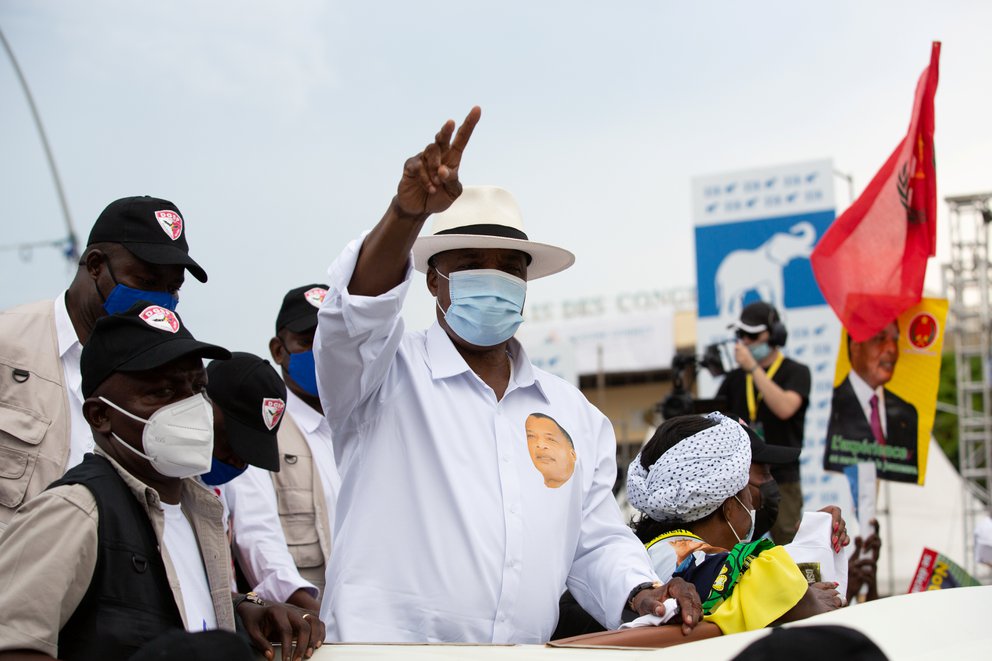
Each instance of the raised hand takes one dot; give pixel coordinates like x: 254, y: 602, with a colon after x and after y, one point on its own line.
x: 430, y: 179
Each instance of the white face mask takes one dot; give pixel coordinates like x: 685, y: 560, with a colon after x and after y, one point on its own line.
x: 178, y: 438
x: 750, y: 531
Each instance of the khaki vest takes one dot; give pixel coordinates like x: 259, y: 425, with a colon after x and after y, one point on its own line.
x: 302, y: 507
x: 34, y: 406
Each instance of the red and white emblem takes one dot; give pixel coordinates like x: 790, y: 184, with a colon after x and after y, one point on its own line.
x: 171, y: 222
x: 272, y: 409
x: 315, y: 296
x: 160, y: 318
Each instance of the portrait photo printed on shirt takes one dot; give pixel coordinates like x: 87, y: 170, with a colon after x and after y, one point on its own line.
x: 551, y: 449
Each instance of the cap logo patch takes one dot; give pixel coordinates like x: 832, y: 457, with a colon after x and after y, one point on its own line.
x: 315, y: 296
x: 160, y: 318
x: 171, y: 223
x: 272, y: 409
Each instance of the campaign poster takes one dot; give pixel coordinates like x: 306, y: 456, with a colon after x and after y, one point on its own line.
x: 755, y: 231
x: 885, y: 395
x: 938, y: 572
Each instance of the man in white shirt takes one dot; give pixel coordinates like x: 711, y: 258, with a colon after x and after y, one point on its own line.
x: 446, y: 529
x: 249, y: 400
x: 296, y: 502
x: 136, y: 250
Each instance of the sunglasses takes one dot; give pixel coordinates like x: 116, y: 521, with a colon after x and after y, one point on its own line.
x: 744, y: 335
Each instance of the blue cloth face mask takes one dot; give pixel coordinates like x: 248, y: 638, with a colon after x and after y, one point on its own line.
x: 122, y: 297
x: 221, y: 473
x: 486, y: 305
x: 303, y: 371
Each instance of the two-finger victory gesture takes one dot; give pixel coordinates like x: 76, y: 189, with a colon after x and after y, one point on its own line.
x: 430, y: 179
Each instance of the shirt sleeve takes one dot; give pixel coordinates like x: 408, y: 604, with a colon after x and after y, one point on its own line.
x: 355, y: 345
x: 258, y: 538
x: 770, y: 587
x: 47, y: 558
x: 609, y: 560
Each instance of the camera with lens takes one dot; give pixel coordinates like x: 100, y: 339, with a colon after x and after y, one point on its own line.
x: 715, y: 359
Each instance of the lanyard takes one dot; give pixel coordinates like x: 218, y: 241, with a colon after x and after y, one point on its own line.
x: 752, y: 401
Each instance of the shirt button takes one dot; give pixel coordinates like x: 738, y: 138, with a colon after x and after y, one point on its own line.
x: 513, y: 509
x: 506, y: 459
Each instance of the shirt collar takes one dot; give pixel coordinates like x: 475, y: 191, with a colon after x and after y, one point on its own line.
x: 142, y: 491
x: 862, y: 390
x: 195, y: 496
x: 444, y: 360
x: 303, y: 414
x: 63, y: 327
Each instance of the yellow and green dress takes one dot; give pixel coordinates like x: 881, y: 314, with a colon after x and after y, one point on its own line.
x: 748, y: 587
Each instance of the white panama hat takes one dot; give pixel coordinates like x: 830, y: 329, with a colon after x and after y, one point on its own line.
x: 487, y: 217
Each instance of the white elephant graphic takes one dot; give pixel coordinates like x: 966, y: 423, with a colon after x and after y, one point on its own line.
x: 760, y: 269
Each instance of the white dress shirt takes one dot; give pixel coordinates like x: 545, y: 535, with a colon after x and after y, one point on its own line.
x: 80, y: 434
x: 251, y: 499
x: 445, y: 528
x: 863, y: 392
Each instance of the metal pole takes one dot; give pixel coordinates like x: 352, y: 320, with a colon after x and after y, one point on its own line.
x: 73, y: 240
x: 850, y: 183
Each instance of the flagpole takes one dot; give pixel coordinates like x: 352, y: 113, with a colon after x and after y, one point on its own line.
x: 73, y: 247
x: 849, y: 178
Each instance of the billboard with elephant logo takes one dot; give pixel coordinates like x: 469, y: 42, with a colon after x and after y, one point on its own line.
x: 755, y: 231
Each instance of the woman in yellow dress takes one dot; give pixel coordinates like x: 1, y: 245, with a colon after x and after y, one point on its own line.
x: 690, y: 484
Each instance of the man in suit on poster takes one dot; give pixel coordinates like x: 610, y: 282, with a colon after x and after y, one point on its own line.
x: 865, y: 411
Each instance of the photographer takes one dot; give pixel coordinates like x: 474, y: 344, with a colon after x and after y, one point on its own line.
x: 772, y: 393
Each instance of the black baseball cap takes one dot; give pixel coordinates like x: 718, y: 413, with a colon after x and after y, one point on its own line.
x: 766, y: 453
x: 756, y: 317
x: 813, y: 643
x: 299, y: 308
x: 151, y: 228
x: 253, y: 398
x: 144, y: 337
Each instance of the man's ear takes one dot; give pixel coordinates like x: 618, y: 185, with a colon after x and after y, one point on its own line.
x: 96, y: 414
x: 278, y: 351
x: 95, y: 261
x: 432, y: 281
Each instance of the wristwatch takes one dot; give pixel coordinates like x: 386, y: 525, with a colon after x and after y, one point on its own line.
x: 251, y: 597
x: 643, y: 586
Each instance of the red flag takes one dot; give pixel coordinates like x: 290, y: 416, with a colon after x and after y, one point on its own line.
x: 871, y: 262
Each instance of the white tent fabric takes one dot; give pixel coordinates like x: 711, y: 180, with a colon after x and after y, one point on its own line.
x: 928, y: 516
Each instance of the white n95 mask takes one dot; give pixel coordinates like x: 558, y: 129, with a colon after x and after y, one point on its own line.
x: 178, y: 438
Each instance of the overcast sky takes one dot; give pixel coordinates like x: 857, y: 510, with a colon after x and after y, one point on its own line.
x: 280, y: 129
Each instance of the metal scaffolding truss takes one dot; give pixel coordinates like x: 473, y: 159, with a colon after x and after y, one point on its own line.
x: 967, y: 280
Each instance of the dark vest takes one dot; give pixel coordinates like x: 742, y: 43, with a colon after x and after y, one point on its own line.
x: 129, y: 601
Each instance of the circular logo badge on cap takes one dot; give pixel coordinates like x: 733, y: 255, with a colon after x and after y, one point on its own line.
x: 315, y: 296
x: 923, y: 330
x: 272, y: 409
x: 160, y: 318
x: 171, y: 223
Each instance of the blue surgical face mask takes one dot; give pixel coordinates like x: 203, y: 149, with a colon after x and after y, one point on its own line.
x: 486, y: 305
x: 759, y: 351
x: 221, y: 473
x: 122, y: 297
x: 303, y: 371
